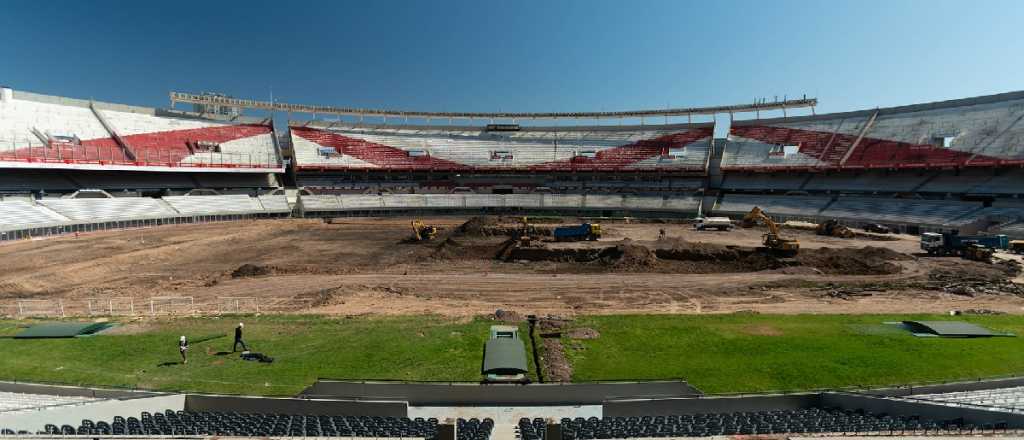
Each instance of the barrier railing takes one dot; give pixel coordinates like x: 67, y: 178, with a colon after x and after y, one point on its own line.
x: 152, y: 306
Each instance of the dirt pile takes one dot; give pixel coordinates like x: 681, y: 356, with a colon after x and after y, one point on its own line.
x: 478, y: 226
x: 469, y: 249
x: 583, y: 333
x: 627, y: 256
x: 867, y: 260
x: 252, y: 270
x: 973, y: 281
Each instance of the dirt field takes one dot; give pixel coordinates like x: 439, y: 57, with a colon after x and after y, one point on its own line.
x: 367, y: 266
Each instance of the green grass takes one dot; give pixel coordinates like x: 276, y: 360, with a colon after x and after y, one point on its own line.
x: 304, y: 348
x: 717, y: 353
x: 756, y: 353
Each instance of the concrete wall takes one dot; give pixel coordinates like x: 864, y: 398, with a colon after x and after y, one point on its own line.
x: 295, y: 406
x: 476, y: 394
x: 649, y: 407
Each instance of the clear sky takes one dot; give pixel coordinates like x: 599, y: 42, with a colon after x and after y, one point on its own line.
x: 544, y: 55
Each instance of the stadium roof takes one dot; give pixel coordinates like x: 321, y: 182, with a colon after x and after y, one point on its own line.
x: 192, y: 98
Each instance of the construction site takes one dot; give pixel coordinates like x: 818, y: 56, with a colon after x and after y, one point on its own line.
x: 474, y: 266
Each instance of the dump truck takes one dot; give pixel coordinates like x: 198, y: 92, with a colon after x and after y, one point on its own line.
x: 952, y: 243
x: 719, y: 223
x: 505, y: 356
x: 832, y: 228
x: 771, y: 239
x: 585, y: 231
x: 1017, y: 246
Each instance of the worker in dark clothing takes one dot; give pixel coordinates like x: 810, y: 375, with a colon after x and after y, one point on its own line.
x: 183, y: 349
x: 238, y: 339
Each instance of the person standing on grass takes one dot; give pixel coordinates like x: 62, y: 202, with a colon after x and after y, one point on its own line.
x: 238, y: 339
x: 183, y: 349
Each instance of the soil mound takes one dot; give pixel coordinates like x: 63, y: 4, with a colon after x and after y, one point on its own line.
x: 251, y: 270
x: 478, y: 226
x: 628, y: 256
x: 583, y: 333
x: 868, y: 260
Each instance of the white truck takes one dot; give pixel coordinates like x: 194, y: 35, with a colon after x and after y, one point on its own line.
x: 719, y: 223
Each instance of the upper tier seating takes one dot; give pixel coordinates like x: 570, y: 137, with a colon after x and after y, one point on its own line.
x: 59, y: 131
x: 464, y: 149
x: 808, y: 420
x: 21, y: 401
x: 983, y: 131
x: 231, y: 424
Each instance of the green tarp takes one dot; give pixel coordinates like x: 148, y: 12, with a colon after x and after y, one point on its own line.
x: 504, y: 356
x: 950, y: 329
x: 61, y: 330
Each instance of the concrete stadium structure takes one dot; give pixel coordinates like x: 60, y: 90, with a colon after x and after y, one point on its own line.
x: 947, y: 165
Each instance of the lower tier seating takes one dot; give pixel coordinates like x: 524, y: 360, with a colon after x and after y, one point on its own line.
x: 809, y: 420
x: 253, y: 425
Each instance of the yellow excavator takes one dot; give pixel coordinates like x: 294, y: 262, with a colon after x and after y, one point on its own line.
x: 421, y: 231
x: 772, y: 240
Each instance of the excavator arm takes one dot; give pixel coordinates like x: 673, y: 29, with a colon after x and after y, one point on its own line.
x: 772, y: 240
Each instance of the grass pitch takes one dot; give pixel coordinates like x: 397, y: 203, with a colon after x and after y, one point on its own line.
x: 716, y: 353
x: 145, y: 355
x: 757, y: 353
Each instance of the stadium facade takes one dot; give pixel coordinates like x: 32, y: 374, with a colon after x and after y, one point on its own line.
x: 73, y: 165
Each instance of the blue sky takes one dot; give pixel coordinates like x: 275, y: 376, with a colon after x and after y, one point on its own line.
x: 516, y: 56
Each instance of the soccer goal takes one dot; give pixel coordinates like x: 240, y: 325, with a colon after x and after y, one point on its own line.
x: 239, y: 304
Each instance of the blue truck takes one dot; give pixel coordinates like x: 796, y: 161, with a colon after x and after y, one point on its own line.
x: 952, y: 243
x: 585, y: 231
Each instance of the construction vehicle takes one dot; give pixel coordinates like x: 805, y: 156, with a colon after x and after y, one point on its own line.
x: 977, y: 252
x: 585, y: 231
x: 719, y: 223
x: 771, y: 239
x: 952, y: 243
x: 1017, y: 246
x: 877, y: 228
x: 422, y: 232
x: 832, y: 228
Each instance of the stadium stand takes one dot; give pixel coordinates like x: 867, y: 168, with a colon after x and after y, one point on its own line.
x: 93, y: 210
x: 23, y: 401
x: 933, y: 213
x: 680, y: 204
x: 635, y: 148
x: 473, y: 429
x: 998, y: 399
x: 972, y: 132
x: 800, y: 206
x: 178, y: 423
x: 808, y: 420
x: 40, y: 131
x: 210, y: 205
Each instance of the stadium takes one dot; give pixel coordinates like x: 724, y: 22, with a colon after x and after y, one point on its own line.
x: 379, y: 258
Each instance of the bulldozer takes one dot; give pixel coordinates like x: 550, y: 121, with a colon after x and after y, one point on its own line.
x: 977, y: 252
x: 772, y: 240
x: 833, y: 228
x: 423, y: 232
